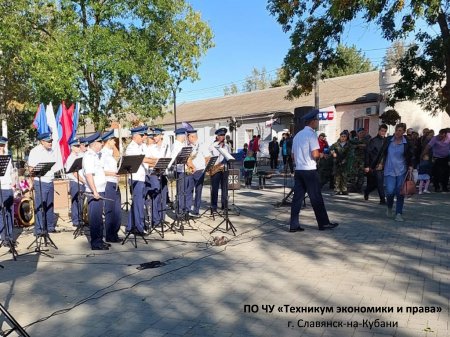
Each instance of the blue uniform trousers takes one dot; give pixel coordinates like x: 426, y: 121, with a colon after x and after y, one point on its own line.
x: 137, y: 207
x: 47, y: 196
x: 195, y: 185
x: 218, y: 180
x: 308, y: 181
x: 95, y: 208
x: 154, y: 194
x: 76, y: 202
x: 112, y: 211
x: 6, y: 232
x: 182, y: 188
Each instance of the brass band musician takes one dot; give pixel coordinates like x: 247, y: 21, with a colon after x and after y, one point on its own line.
x: 218, y: 178
x: 196, y: 168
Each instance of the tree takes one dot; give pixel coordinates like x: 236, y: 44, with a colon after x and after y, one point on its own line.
x: 113, y: 56
x: 349, y: 60
x: 317, y: 27
x: 231, y: 90
x: 258, y: 80
x: 394, y: 54
x: 280, y: 79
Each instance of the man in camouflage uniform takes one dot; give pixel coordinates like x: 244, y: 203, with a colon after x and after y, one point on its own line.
x: 340, y: 153
x: 357, y: 157
x: 325, y: 162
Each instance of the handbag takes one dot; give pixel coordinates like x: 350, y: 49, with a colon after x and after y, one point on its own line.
x: 409, y: 186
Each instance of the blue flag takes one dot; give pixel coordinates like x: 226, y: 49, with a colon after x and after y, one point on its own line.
x: 40, y: 120
x: 75, y: 117
x: 58, y: 121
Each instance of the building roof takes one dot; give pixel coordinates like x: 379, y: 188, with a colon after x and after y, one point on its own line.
x: 357, y: 88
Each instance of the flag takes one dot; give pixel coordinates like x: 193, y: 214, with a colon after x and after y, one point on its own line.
x: 58, y: 122
x: 40, y: 120
x: 66, y: 123
x: 51, y: 121
x: 76, y: 116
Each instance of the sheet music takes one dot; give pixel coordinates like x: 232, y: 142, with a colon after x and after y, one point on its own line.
x: 224, y: 152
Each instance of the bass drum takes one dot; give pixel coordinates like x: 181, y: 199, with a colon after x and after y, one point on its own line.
x: 24, y: 212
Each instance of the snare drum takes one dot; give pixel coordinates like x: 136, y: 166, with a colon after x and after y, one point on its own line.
x: 23, y: 212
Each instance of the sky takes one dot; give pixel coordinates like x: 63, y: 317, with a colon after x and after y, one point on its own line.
x: 247, y: 36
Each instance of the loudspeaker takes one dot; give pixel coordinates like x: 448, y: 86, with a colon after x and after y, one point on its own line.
x: 299, y: 112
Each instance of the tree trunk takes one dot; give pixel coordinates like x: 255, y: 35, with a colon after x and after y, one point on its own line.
x: 442, y: 20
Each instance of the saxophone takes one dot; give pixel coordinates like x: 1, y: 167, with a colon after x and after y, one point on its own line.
x: 190, y: 167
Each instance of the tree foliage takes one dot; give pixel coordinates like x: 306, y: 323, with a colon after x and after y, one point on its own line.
x: 317, y: 26
x: 349, y: 60
x: 394, y: 54
x: 115, y: 56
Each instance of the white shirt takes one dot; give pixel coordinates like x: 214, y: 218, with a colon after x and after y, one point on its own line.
x: 304, y: 143
x: 109, y: 164
x: 7, y: 179
x: 70, y: 159
x: 215, y: 152
x: 157, y: 151
x: 93, y: 165
x: 176, y: 148
x: 40, y: 155
x: 134, y: 149
x: 200, y: 151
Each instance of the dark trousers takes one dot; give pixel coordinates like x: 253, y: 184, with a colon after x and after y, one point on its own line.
x: 47, y: 206
x: 96, y: 220
x: 274, y: 161
x: 308, y: 181
x: 153, y: 186
x: 112, y: 211
x: 248, y: 174
x: 218, y: 180
x: 440, y: 173
x: 76, y: 202
x: 137, y: 208
x: 194, y: 191
x: 6, y: 232
x: 287, y: 160
x: 182, y: 189
x: 375, y: 180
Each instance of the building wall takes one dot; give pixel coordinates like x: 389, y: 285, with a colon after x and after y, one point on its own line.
x: 346, y: 115
x: 414, y: 117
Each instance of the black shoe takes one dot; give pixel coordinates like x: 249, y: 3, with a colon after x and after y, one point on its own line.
x: 345, y: 193
x: 382, y: 202
x: 298, y: 229
x: 366, y: 196
x: 54, y: 231
x: 106, y: 244
x: 100, y: 248
x: 331, y: 225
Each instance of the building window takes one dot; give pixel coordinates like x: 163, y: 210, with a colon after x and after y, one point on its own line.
x: 248, y: 134
x: 361, y: 123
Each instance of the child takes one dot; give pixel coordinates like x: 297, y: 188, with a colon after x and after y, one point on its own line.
x: 424, y: 174
x: 248, y: 172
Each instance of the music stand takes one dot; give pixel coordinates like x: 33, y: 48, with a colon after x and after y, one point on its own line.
x: 161, y: 165
x: 130, y: 165
x: 15, y: 325
x: 181, y: 158
x: 228, y: 224
x: 4, y: 162
x: 212, y: 161
x: 76, y: 166
x: 39, y: 171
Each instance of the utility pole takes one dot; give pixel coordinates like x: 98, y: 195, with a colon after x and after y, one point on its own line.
x: 316, y: 87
